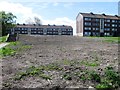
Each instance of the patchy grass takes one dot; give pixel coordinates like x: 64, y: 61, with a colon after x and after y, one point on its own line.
x: 24, y: 47
x: 109, y: 39
x: 31, y: 71
x: 12, y: 48
x: 52, y: 66
x: 67, y: 76
x: 112, y: 39
x: 109, y: 79
x: 67, y: 62
x: 7, y: 50
x: 38, y: 71
x: 88, y: 63
x: 45, y: 76
x: 3, y: 39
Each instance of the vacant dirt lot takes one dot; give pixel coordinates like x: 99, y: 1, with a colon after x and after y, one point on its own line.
x: 61, y: 50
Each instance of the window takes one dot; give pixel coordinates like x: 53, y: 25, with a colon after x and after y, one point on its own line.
x: 40, y: 32
x: 107, y: 29
x: 106, y: 34
x: 107, y: 24
x: 20, y: 28
x: 63, y: 29
x: 88, y: 23
x: 55, y: 32
x: 97, y: 28
x: 33, y: 28
x: 114, y: 25
x: 107, y: 20
x: 54, y: 29
x: 40, y: 28
x: 93, y: 28
x: 114, y: 29
x: 95, y: 24
x: 63, y: 32
x: 114, y: 20
x: 97, y: 19
x: 88, y: 19
x: 69, y: 29
x: 87, y: 28
x: 97, y: 34
x: 24, y: 32
x: 87, y: 33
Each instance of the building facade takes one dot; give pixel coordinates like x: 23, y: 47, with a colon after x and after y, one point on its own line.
x: 89, y: 24
x: 42, y: 29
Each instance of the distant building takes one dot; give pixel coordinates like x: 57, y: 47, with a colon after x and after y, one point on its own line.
x: 90, y: 24
x: 119, y: 8
x: 42, y: 29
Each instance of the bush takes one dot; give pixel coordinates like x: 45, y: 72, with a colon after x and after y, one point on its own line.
x: 67, y: 76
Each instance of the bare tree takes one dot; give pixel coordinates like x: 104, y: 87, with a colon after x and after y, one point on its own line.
x: 29, y: 21
x: 37, y: 21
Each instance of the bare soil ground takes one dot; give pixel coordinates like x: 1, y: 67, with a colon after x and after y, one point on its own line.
x: 61, y: 50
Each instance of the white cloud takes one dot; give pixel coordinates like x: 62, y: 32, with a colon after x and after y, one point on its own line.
x: 44, y: 5
x: 55, y: 4
x: 24, y: 13
x: 19, y: 10
x: 68, y: 5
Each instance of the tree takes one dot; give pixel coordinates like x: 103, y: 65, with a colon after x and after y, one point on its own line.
x: 37, y: 21
x: 29, y: 21
x: 34, y: 20
x: 7, y: 20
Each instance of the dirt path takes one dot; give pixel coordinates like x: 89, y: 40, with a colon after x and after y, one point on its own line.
x: 50, y: 49
x: 3, y: 45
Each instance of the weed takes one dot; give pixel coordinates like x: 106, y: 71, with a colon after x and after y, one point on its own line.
x: 20, y: 75
x: 103, y: 86
x: 52, y: 66
x: 95, y: 76
x: 111, y: 79
x: 67, y: 76
x: 45, y: 76
x: 38, y: 71
x: 113, y: 76
x: 84, y: 75
x: 6, y: 85
x: 24, y: 47
x: 33, y: 71
x: 93, y: 64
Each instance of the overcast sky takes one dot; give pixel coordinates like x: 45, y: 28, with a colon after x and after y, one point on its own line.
x: 57, y: 11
